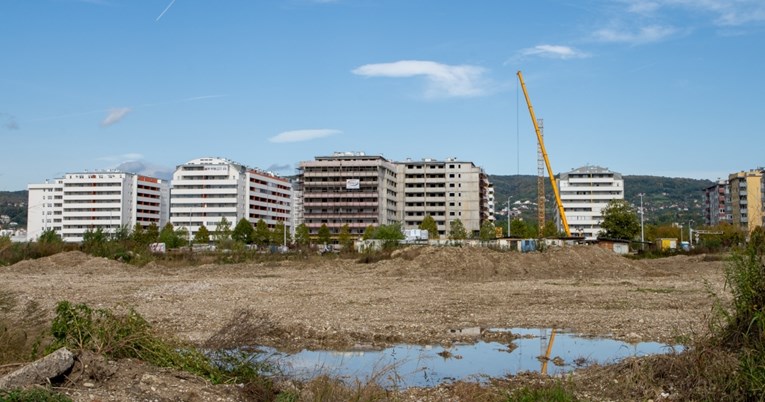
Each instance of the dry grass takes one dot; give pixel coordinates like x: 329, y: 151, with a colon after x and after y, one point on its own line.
x: 22, y: 327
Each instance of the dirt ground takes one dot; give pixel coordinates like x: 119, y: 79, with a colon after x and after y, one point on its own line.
x: 420, y: 295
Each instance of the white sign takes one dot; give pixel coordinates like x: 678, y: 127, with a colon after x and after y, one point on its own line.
x: 352, y: 184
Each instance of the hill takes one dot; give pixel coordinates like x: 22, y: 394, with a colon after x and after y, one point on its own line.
x: 14, y: 205
x: 666, y: 199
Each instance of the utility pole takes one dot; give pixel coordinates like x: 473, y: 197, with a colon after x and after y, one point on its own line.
x: 642, y: 230
x: 690, y: 234
x: 508, y: 216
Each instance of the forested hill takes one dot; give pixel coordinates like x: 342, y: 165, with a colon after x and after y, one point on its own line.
x: 14, y: 205
x: 666, y: 199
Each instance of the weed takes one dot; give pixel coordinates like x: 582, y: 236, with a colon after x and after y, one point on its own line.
x: 21, y: 329
x: 555, y: 392
x: 33, y: 394
x: 128, y: 335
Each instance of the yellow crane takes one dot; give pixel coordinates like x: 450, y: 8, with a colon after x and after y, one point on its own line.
x: 541, y: 141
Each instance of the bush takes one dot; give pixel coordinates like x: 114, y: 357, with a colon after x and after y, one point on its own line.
x: 34, y: 394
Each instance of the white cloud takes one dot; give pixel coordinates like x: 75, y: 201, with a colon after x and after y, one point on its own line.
x: 726, y: 12
x: 146, y: 169
x: 647, y: 34
x: 443, y: 80
x: 303, y: 135
x: 642, y: 7
x: 115, y: 115
x: 122, y: 158
x: 554, y: 52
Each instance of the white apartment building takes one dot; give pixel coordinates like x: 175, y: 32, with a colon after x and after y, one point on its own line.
x: 446, y: 190
x: 205, y: 190
x: 585, y: 192
x: 106, y: 200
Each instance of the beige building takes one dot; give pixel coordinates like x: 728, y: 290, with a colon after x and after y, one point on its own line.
x: 446, y: 190
x: 347, y: 188
x: 746, y: 195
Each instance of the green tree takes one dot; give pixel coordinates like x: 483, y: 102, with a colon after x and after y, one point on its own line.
x: 139, y: 234
x: 429, y: 224
x: 261, y: 235
x: 488, y: 231
x: 620, y: 221
x: 171, y: 237
x: 223, y: 230
x: 457, y: 230
x: 550, y: 230
x: 518, y: 228
x: 389, y: 234
x: 344, y: 237
x: 243, y: 231
x: 49, y: 236
x: 302, y: 235
x: 151, y: 234
x: 202, y: 236
x: 324, y: 234
x: 369, y: 233
x: 279, y: 234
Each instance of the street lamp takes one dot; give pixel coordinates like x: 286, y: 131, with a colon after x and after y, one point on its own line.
x: 508, y: 216
x: 642, y: 231
x: 690, y: 233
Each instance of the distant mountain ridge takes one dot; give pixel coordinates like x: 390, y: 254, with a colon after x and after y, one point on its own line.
x: 666, y: 199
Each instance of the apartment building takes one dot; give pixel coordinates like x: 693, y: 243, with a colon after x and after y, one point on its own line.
x: 206, y: 190
x: 446, y: 190
x: 715, y: 204
x: 745, y: 202
x: 347, y: 188
x: 106, y: 200
x: 585, y: 192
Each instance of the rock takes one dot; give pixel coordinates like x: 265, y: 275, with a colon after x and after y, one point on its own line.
x: 39, y: 371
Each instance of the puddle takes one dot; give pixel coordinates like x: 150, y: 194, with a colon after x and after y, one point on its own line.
x: 424, y: 366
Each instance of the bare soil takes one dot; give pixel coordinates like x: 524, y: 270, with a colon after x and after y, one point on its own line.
x: 419, y: 295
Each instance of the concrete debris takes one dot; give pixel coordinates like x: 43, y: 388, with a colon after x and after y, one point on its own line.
x: 39, y: 371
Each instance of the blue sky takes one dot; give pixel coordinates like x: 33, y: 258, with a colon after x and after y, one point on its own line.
x: 658, y: 87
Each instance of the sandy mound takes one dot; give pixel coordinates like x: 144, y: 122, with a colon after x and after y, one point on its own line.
x: 66, y: 261
x: 476, y: 263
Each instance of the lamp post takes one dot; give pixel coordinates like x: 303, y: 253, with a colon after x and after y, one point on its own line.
x: 508, y: 216
x: 642, y: 230
x: 690, y: 234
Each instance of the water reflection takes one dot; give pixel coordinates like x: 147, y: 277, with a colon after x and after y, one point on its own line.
x: 415, y: 365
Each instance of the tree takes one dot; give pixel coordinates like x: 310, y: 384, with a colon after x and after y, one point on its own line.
x: 302, y: 235
x: 279, y: 234
x: 261, y: 235
x: 223, y: 230
x: 138, y: 234
x: 369, y: 233
x: 457, y: 230
x: 389, y: 234
x: 243, y: 231
x: 429, y: 224
x: 49, y: 236
x: 202, y: 236
x: 488, y: 231
x: 620, y: 221
x: 151, y: 234
x: 344, y: 237
x: 550, y: 230
x: 324, y: 234
x: 518, y: 228
x: 171, y: 237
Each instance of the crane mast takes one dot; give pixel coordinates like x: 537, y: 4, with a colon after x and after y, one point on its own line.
x: 541, y: 143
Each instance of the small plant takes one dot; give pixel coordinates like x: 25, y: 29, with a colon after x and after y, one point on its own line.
x: 128, y: 335
x: 551, y: 393
x: 34, y: 394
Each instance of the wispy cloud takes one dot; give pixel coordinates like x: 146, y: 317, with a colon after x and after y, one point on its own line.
x: 303, y: 135
x: 554, y: 52
x: 165, y: 10
x: 279, y: 168
x: 725, y: 12
x: 128, y: 157
x: 9, y: 121
x: 643, y: 35
x: 115, y: 115
x: 146, y: 169
x: 443, y: 80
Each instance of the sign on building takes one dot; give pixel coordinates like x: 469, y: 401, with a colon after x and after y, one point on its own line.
x: 352, y: 184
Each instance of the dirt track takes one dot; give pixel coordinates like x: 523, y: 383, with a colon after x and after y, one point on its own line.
x: 417, y: 296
